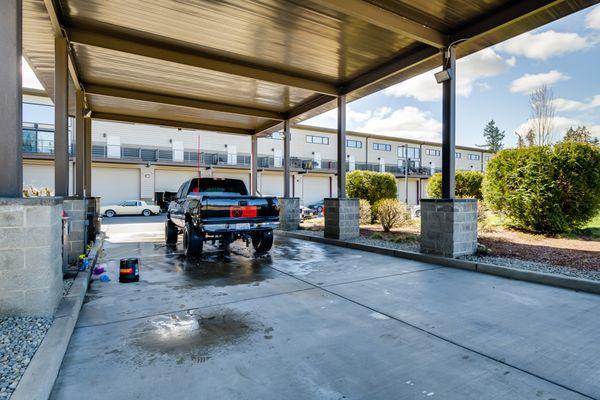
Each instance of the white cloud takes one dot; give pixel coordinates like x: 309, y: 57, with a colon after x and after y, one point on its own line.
x: 573, y: 105
x: 470, y: 70
x: 29, y: 78
x: 407, y: 122
x: 529, y: 82
x: 560, y: 126
x: 592, y: 20
x: 543, y: 45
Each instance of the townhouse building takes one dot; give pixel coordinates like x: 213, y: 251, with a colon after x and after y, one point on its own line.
x: 136, y: 161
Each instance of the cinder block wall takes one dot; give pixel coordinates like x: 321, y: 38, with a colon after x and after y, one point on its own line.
x: 342, y: 219
x: 289, y: 213
x: 76, y: 211
x: 30, y: 255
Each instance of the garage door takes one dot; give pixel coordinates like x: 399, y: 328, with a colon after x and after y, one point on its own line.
x: 38, y: 176
x: 234, y: 175
x: 315, y: 188
x: 170, y: 181
x: 114, y: 185
x: 271, y: 185
x: 412, y: 191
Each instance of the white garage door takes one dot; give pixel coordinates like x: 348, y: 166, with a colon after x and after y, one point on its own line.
x: 170, y: 181
x: 271, y: 185
x: 234, y: 175
x: 412, y: 191
x: 38, y: 176
x: 114, y: 185
x: 315, y: 188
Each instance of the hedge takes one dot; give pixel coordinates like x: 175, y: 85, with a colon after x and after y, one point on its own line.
x: 371, y: 186
x: 468, y: 185
x: 545, y: 189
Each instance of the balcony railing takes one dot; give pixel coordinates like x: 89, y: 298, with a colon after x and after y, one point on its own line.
x: 157, y: 155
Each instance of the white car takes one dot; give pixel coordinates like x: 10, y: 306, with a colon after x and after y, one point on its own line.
x: 130, y: 207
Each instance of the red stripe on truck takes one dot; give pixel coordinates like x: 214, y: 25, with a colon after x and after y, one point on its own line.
x: 243, y: 211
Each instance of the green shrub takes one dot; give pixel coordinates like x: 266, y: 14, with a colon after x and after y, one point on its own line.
x: 365, y: 212
x: 545, y: 189
x: 468, y: 185
x: 371, y: 186
x: 392, y: 213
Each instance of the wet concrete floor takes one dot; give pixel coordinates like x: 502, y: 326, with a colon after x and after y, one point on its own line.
x: 312, y: 321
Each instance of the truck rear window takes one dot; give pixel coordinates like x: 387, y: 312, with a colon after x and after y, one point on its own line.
x: 219, y: 186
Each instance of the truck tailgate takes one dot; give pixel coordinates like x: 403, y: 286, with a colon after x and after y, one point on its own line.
x: 217, y: 209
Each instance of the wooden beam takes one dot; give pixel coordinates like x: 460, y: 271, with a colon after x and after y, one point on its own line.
x: 389, y: 20
x: 196, y: 58
x: 168, y: 122
x: 126, y: 93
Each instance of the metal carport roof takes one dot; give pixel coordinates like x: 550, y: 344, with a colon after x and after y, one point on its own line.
x: 245, y: 66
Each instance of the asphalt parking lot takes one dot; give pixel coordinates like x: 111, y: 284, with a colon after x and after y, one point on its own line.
x: 313, y: 321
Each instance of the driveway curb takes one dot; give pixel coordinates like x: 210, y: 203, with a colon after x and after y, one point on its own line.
x: 42, y: 371
x: 582, y: 285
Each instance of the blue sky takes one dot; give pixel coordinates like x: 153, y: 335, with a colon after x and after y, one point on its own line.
x: 491, y: 84
x: 494, y: 84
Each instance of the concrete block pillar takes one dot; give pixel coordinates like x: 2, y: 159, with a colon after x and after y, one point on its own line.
x: 342, y: 218
x: 449, y: 227
x: 30, y: 255
x: 289, y: 213
x: 76, y: 210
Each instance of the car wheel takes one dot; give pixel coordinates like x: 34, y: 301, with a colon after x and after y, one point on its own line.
x: 319, y: 210
x: 418, y: 213
x: 262, y: 241
x: 110, y: 213
x: 146, y: 213
x: 192, y: 241
x: 171, y: 233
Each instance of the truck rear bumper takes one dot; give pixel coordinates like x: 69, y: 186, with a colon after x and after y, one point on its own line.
x: 239, y: 227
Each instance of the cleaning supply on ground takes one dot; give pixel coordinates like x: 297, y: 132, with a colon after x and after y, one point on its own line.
x: 99, y: 270
x: 129, y: 270
x: 104, y: 278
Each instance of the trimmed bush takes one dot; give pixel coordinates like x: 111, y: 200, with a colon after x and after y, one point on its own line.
x: 365, y: 212
x: 468, y: 185
x: 545, y: 189
x: 371, y: 186
x: 392, y: 213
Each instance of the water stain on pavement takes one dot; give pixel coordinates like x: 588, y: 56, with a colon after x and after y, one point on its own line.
x: 195, y: 336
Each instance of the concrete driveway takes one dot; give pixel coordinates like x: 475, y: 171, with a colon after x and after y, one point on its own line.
x: 312, y: 321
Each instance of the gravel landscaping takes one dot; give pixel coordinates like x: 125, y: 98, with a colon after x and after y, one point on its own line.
x: 19, y: 340
x: 495, y: 260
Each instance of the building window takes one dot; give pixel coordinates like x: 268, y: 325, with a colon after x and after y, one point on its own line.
x: 317, y: 139
x: 382, y: 146
x: 474, y: 157
x: 487, y: 158
x: 458, y: 155
x: 413, y: 152
x: 432, y: 152
x: 357, y: 144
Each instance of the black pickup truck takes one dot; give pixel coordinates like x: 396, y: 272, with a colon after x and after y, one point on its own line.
x: 211, y: 209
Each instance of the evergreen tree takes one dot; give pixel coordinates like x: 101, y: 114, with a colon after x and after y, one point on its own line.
x: 581, y: 134
x: 493, y: 137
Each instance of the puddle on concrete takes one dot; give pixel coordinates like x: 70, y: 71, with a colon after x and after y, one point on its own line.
x: 195, y: 336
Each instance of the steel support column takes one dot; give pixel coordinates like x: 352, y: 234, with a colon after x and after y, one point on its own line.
x: 448, y: 124
x: 79, y: 145
x: 11, y: 126
x: 87, y: 136
x: 61, y: 117
x: 341, y: 147
x: 286, y: 158
x: 254, y: 165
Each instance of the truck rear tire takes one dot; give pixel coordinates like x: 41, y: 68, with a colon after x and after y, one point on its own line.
x: 171, y: 233
x: 192, y: 241
x: 262, y: 241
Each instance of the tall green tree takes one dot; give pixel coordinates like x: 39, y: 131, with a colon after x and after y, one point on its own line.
x: 493, y: 137
x: 581, y: 135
